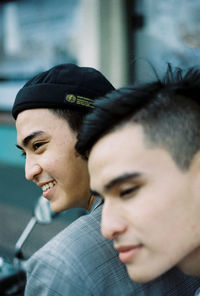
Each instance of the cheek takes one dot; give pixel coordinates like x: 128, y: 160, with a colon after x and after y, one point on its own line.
x: 72, y: 166
x: 54, y: 161
x: 61, y: 152
x: 150, y: 215
x: 163, y: 227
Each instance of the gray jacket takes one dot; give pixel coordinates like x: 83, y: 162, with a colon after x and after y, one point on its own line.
x: 80, y: 262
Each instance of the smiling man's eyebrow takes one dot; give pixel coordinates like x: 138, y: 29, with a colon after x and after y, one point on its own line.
x: 121, y: 179
x: 27, y: 139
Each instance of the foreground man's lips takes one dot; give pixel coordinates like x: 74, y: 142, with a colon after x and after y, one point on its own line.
x: 127, y: 253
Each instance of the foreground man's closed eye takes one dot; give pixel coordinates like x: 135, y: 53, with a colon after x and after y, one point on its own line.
x: 144, y: 162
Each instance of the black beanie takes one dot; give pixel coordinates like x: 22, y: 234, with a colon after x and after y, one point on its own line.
x: 62, y: 87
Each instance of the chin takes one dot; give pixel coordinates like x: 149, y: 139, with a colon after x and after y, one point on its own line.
x: 141, y: 277
x: 55, y: 207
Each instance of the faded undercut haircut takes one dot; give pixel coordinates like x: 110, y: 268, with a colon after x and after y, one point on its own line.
x: 168, y: 109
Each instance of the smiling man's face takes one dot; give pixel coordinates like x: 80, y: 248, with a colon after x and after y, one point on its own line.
x: 51, y: 161
x: 151, y: 207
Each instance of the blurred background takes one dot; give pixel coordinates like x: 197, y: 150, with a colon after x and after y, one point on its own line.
x: 121, y: 38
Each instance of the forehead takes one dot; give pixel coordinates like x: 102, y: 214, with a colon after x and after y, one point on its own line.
x: 115, y: 146
x: 33, y: 116
x: 32, y: 120
x: 126, y: 151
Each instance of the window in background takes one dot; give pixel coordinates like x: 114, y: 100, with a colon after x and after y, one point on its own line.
x: 170, y: 33
x: 35, y: 35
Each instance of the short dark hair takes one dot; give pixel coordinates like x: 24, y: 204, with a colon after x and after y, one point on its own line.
x: 74, y: 117
x: 167, y: 109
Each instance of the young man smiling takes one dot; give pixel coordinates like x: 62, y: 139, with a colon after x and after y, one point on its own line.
x: 49, y: 111
x: 150, y: 178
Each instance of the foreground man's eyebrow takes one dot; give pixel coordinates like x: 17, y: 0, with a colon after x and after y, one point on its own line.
x: 120, y: 179
x: 27, y: 139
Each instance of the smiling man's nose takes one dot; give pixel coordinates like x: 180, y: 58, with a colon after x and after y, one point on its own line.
x: 112, y: 225
x: 32, y: 169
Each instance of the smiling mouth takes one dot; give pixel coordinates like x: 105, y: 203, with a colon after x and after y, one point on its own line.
x: 48, y: 186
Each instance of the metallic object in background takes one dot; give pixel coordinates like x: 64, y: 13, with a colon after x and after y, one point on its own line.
x: 42, y: 215
x: 13, y: 275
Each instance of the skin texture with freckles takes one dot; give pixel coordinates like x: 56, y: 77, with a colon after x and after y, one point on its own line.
x: 48, y: 143
x: 150, y: 205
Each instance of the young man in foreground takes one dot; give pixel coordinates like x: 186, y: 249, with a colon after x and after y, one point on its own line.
x: 49, y: 111
x: 144, y: 162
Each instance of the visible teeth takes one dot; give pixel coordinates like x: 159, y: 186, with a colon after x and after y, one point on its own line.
x: 48, y: 186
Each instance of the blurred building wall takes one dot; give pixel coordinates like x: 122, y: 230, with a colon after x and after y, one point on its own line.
x: 104, y: 38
